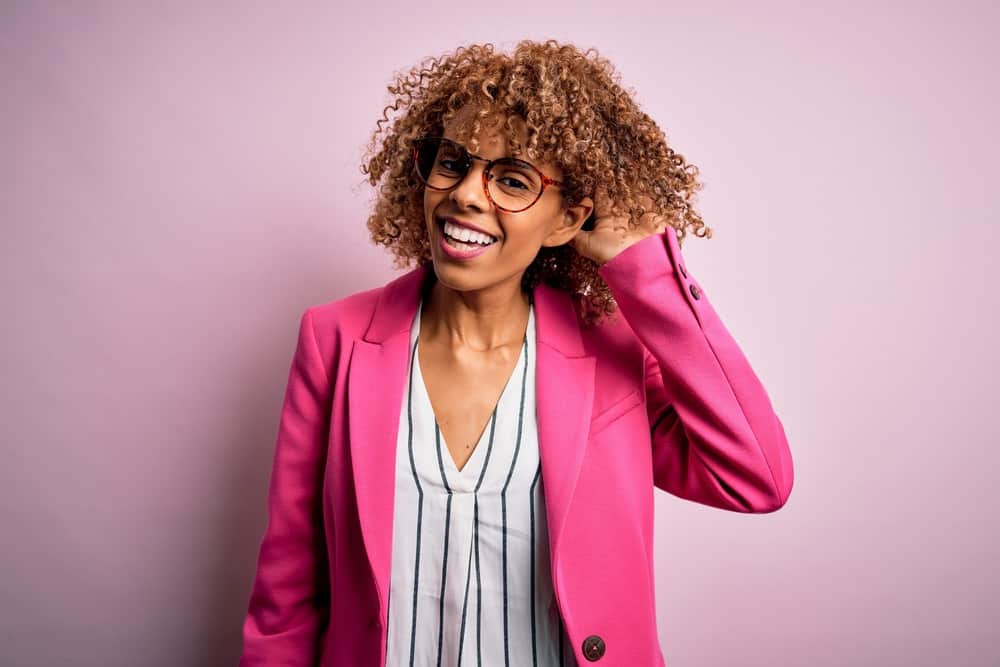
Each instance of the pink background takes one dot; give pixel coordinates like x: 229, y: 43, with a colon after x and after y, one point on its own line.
x: 180, y: 182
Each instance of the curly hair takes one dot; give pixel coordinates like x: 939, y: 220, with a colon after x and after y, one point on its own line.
x: 578, y: 117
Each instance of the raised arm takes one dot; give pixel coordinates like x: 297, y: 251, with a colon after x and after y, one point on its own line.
x: 290, y: 601
x: 716, y: 438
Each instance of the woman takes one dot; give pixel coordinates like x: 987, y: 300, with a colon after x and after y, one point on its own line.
x: 466, y: 456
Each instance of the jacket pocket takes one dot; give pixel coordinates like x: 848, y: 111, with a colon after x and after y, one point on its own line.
x: 617, y: 409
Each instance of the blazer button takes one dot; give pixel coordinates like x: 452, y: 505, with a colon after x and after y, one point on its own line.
x: 695, y: 292
x: 593, y: 647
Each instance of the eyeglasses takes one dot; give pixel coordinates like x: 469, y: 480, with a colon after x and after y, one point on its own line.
x: 512, y: 185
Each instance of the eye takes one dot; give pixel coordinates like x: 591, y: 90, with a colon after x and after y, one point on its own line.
x: 513, y: 182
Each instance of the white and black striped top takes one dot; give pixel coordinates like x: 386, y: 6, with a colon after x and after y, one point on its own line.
x: 471, y: 578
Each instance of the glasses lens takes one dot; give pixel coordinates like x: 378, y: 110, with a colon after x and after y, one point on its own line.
x: 441, y: 163
x: 513, y: 184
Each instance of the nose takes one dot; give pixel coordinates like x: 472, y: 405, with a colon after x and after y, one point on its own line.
x: 469, y: 192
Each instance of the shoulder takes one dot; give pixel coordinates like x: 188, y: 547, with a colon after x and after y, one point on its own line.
x: 348, y: 314
x: 335, y: 324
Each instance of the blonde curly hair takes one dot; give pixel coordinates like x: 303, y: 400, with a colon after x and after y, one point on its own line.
x: 577, y: 116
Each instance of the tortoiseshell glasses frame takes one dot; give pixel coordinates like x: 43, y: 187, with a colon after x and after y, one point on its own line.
x: 465, y: 158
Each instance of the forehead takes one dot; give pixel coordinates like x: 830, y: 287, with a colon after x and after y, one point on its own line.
x: 492, y: 135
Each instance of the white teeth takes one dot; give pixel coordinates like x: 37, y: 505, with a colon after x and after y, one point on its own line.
x: 465, y: 235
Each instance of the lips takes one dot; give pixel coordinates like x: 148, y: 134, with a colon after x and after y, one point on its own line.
x: 461, y: 253
x: 461, y: 223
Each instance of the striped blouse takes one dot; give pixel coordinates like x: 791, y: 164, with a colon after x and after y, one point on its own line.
x: 471, y: 581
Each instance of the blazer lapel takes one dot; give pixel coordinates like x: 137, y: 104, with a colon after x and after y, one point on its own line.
x: 376, y: 380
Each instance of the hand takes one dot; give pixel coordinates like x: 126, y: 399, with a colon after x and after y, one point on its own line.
x: 611, y: 234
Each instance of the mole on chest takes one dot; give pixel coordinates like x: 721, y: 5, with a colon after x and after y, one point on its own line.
x: 463, y: 400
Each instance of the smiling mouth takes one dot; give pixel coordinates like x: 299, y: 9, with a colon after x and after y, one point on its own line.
x: 475, y: 241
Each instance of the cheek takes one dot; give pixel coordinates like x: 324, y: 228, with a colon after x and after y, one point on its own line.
x: 531, y: 230
x: 431, y: 200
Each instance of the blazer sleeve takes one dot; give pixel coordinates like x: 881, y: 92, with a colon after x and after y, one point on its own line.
x: 715, y: 436
x: 289, y: 603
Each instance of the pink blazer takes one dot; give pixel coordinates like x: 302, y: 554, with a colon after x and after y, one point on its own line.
x: 660, y: 397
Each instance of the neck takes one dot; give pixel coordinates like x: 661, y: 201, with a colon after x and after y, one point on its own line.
x: 479, y: 320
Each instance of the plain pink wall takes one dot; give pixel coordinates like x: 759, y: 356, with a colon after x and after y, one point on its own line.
x: 179, y: 183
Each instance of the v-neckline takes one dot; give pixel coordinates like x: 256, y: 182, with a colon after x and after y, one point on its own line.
x: 473, y: 462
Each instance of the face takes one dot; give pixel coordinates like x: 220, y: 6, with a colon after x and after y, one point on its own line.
x: 519, y: 236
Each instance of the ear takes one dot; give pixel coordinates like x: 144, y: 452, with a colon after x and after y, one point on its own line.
x: 570, y: 221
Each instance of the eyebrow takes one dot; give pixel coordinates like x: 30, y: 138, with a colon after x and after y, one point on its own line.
x: 516, y: 156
